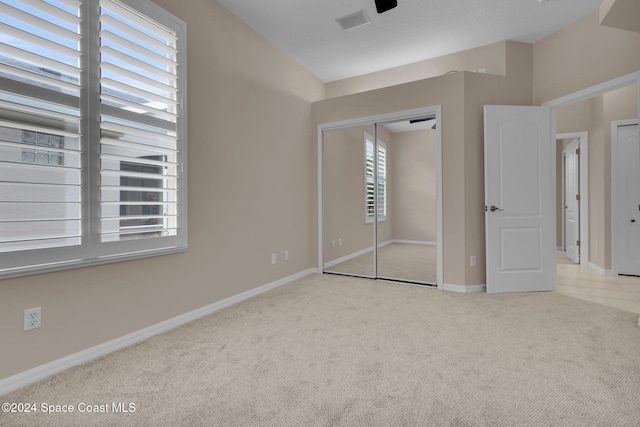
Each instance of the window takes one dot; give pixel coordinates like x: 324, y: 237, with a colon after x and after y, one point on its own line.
x: 92, y: 138
x: 370, y: 182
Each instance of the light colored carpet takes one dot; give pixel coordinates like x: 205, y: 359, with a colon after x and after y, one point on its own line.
x: 403, y: 261
x: 340, y: 351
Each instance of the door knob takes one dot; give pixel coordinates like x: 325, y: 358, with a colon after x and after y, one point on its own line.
x: 495, y: 208
x: 633, y: 220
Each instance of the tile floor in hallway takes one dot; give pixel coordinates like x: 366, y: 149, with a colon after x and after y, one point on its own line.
x: 578, y: 281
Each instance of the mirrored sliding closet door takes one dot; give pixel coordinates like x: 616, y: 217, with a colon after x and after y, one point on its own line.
x: 349, y: 230
x: 407, y: 233
x: 379, y: 200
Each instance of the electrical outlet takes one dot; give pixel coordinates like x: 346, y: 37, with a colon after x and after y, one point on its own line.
x: 333, y: 243
x: 273, y: 258
x: 32, y: 318
x: 339, y: 242
x: 286, y: 255
x: 472, y: 261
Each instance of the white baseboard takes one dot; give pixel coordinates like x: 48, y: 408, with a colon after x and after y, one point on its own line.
x: 329, y: 264
x: 464, y: 289
x: 600, y: 270
x: 23, y: 379
x: 347, y: 257
x: 414, y: 242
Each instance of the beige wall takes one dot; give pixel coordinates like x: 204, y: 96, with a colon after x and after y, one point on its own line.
x: 250, y: 154
x: 582, y: 55
x: 622, y: 14
x: 413, y: 185
x: 490, y: 57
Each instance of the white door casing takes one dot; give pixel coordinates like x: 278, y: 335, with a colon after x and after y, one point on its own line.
x: 625, y: 186
x: 572, y: 202
x: 519, y: 218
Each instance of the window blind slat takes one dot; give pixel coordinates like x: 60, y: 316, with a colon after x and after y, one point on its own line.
x: 38, y: 129
x: 51, y: 10
x: 136, y: 132
x: 125, y: 13
x: 131, y: 116
x: 138, y: 35
x: 43, y: 95
x: 139, y: 160
x: 39, y: 41
x: 40, y: 23
x: 42, y: 193
x: 134, y: 146
x: 106, y: 50
x: 106, y: 82
x: 140, y: 108
x: 30, y: 212
x: 21, y: 231
x: 16, y: 145
x: 140, y: 50
x: 38, y: 111
x: 72, y: 4
x: 140, y: 78
x: 41, y: 243
x: 39, y: 60
x: 136, y: 174
x: 119, y: 188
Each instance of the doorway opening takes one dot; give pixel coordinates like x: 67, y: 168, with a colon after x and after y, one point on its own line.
x: 610, y: 101
x: 572, y: 196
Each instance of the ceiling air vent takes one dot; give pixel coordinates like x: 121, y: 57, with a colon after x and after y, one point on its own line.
x: 353, y: 20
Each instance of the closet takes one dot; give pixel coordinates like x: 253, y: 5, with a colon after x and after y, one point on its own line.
x: 379, y: 199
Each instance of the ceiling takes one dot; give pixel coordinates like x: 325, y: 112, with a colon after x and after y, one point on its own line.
x: 414, y: 31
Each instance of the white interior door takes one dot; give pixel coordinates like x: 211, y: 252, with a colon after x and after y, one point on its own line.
x: 519, y: 219
x: 626, y: 195
x: 572, y: 201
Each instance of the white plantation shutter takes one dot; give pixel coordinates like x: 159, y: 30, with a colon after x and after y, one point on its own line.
x: 370, y: 182
x: 139, y: 112
x: 40, y: 142
x: 92, y: 138
x: 382, y: 181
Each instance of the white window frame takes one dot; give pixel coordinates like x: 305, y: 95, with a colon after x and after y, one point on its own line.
x: 368, y: 141
x: 91, y: 251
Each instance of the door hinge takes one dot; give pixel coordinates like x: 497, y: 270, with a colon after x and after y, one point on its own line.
x: 577, y: 242
x: 578, y: 151
x: 577, y: 197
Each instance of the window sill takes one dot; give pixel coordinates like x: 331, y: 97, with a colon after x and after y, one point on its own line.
x: 68, y: 265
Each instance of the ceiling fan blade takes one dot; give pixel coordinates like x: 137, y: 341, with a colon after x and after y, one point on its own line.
x: 384, y: 5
